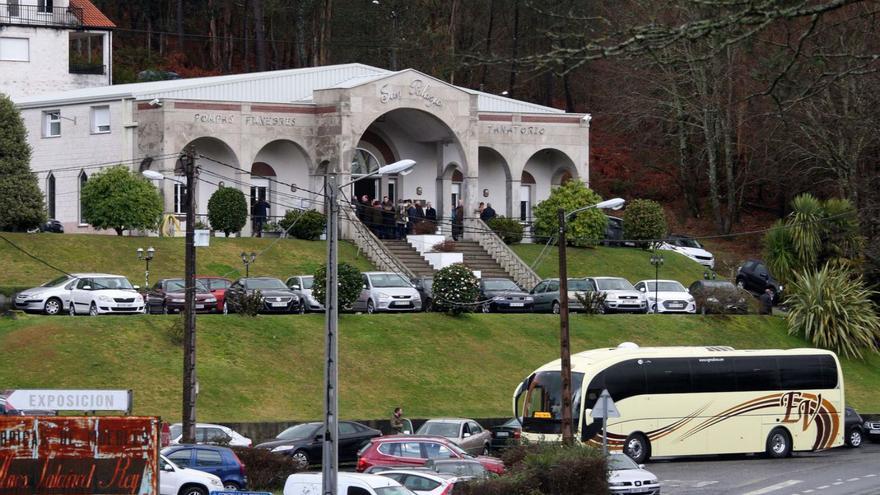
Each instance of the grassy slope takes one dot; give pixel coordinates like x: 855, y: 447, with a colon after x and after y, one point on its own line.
x: 630, y: 263
x: 111, y: 254
x: 271, y: 367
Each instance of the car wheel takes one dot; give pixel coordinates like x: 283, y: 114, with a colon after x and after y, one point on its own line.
x: 71, y: 310
x: 93, y: 310
x: 854, y: 438
x: 301, y: 458
x: 486, y: 308
x: 231, y: 486
x: 778, y: 444
x: 556, y: 308
x: 637, y: 448
x: 371, y: 308
x: 53, y: 306
x: 486, y: 449
x: 192, y: 490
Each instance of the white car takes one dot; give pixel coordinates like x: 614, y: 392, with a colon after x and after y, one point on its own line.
x: 50, y: 298
x: 690, y: 247
x: 175, y: 480
x: 99, y: 293
x: 212, y: 434
x: 423, y: 482
x: 667, y: 296
x: 302, y: 286
x: 625, y: 476
x: 620, y: 295
x: 366, y: 484
x: 387, y: 291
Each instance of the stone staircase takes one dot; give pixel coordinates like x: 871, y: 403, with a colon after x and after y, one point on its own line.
x: 476, y: 258
x: 409, y: 257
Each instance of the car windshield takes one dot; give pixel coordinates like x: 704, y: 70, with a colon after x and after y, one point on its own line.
x: 308, y: 282
x: 57, y: 281
x: 500, y: 285
x: 664, y: 286
x: 618, y: 462
x: 178, y: 285
x: 304, y: 430
x: 688, y: 242
x: 613, y: 284
x: 111, y: 283
x: 264, y: 283
x: 578, y: 284
x: 175, y: 431
x: 388, y: 280
x: 393, y: 490
x: 440, y: 429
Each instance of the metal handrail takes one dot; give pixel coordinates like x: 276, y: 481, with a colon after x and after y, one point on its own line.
x: 34, y: 15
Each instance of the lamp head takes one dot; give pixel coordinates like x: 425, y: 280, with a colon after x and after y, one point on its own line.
x: 401, y: 167
x: 152, y: 175
x: 612, y: 204
x: 150, y: 252
x: 140, y: 253
x: 253, y: 256
x: 243, y: 256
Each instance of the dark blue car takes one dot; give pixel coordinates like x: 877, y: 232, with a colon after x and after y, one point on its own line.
x: 220, y: 461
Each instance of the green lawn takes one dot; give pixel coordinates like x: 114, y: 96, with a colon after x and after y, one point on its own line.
x: 270, y: 368
x: 112, y: 254
x: 630, y: 263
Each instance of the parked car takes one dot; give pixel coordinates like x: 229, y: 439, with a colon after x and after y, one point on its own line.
x: 346, y: 483
x: 53, y: 226
x: 305, y: 442
x: 502, y: 294
x: 505, y: 435
x: 614, y: 233
x: 301, y: 285
x: 755, y: 277
x: 666, y: 296
x: 178, y: 480
x: 277, y: 297
x: 853, y: 432
x: 546, y: 294
x: 625, y: 476
x: 465, y: 469
x: 387, y: 291
x: 219, y: 461
x: 871, y: 429
x: 424, y: 286
x: 50, y: 298
x: 217, y: 286
x: 169, y: 296
x: 620, y: 295
x: 415, y: 450
x: 690, y: 247
x: 423, y: 482
x: 99, y: 293
x: 720, y: 297
x: 207, y: 433
x: 467, y: 433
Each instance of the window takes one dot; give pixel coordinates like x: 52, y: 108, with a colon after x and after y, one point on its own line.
x: 15, y: 49
x: 668, y: 376
x: 50, y: 195
x: 13, y: 8
x: 402, y: 449
x: 52, y: 123
x: 180, y: 202
x: 346, y: 429
x: 213, y: 435
x: 83, y: 178
x: 807, y: 372
x: 419, y: 483
x: 626, y: 379
x: 181, y: 457
x: 553, y: 286
x: 44, y: 6
x: 208, y: 458
x: 101, y: 119
x: 712, y: 375
x: 353, y: 490
x: 437, y: 451
x: 756, y: 373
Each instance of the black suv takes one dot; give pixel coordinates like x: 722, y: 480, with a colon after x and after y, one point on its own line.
x: 852, y: 428
x: 754, y: 276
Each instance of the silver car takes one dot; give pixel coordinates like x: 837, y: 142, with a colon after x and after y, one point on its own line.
x: 301, y: 285
x: 620, y: 295
x: 625, y: 476
x: 387, y: 291
x: 467, y: 433
x: 50, y: 298
x: 546, y: 294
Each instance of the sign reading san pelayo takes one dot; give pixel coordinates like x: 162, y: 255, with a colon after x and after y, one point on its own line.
x: 74, y: 455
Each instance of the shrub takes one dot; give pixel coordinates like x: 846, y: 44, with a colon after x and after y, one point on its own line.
x: 176, y: 332
x: 455, y: 289
x: 593, y: 301
x: 120, y: 199
x: 227, y: 210
x: 249, y: 304
x: 832, y: 309
x: 20, y: 198
x: 446, y: 246
x: 585, y: 229
x: 303, y: 224
x: 266, y: 470
x: 350, y: 284
x: 644, y: 219
x: 508, y: 229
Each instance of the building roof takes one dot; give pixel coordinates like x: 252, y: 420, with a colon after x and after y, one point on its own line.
x: 280, y: 86
x: 91, y: 16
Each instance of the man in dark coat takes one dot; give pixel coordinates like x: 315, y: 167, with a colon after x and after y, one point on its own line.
x: 766, y: 301
x: 488, y: 213
x: 431, y: 214
x: 458, y: 221
x: 261, y: 210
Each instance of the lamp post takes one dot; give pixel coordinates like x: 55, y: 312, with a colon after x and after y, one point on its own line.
x: 657, y: 261
x: 564, y: 339
x: 330, y: 464
x: 247, y: 259
x: 146, y: 256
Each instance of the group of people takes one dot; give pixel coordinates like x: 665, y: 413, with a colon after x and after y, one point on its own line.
x: 389, y: 221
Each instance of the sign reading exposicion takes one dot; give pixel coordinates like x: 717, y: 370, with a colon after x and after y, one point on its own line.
x: 70, y: 400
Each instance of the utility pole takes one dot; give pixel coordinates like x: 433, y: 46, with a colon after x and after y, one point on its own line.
x: 564, y: 344
x: 330, y: 466
x: 188, y: 164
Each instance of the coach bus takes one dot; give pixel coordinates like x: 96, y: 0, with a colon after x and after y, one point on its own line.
x: 676, y: 401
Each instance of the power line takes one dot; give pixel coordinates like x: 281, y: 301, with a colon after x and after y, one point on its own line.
x: 34, y: 257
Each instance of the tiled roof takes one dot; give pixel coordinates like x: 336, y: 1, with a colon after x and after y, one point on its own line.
x: 92, y: 17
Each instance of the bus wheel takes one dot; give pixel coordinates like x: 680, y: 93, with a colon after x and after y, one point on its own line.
x: 778, y: 444
x: 637, y: 448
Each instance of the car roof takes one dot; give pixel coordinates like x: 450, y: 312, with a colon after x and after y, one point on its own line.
x: 608, y: 278
x: 657, y: 280
x: 212, y: 277
x: 411, y: 438
x: 204, y: 425
x: 95, y: 275
x: 383, y: 273
x: 448, y: 420
x: 205, y: 446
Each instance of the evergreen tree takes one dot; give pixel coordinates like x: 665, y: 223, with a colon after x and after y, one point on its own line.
x: 21, y: 201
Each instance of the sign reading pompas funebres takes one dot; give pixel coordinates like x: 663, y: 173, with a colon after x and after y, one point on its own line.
x: 73, y: 455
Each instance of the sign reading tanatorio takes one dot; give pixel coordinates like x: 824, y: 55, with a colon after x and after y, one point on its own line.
x: 70, y: 455
x: 70, y: 400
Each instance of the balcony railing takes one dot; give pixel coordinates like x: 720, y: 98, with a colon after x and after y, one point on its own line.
x: 86, y: 68
x: 33, y: 15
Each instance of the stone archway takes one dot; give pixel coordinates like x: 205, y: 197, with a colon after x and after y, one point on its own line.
x: 285, y: 169
x: 495, y: 181
x: 219, y: 167
x: 549, y: 168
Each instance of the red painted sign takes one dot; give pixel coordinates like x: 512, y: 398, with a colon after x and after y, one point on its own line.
x: 67, y: 455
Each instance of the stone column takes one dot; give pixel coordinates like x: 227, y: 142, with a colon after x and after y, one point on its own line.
x: 513, y: 198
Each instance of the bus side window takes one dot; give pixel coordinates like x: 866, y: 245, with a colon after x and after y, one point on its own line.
x: 712, y: 375
x: 668, y: 376
x: 756, y: 373
x: 626, y: 379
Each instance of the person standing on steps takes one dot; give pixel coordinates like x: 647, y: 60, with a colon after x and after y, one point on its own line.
x: 488, y: 213
x: 458, y: 221
x: 431, y: 215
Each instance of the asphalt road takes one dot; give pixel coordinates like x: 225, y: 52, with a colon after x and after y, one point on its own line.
x: 838, y: 471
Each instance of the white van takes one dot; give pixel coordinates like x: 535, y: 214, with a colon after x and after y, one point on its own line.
x: 347, y: 484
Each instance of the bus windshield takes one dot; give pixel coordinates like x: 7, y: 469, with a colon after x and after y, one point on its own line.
x: 542, y: 404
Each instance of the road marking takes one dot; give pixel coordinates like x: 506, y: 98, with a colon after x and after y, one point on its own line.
x: 703, y: 484
x: 773, y: 488
x: 823, y: 487
x: 870, y: 475
x: 838, y: 483
x: 853, y: 479
x: 809, y: 491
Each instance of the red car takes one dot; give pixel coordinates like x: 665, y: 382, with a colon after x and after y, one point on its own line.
x: 415, y: 450
x: 217, y: 286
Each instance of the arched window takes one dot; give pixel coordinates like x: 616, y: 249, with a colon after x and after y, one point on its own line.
x: 363, y: 162
x: 50, y: 195
x: 83, y: 178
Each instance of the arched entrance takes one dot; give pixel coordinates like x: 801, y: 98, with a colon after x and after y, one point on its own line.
x: 494, y: 180
x: 218, y: 167
x: 282, y: 169
x: 549, y: 168
x: 364, y: 163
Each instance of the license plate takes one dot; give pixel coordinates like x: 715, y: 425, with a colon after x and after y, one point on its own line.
x: 874, y: 432
x: 200, y: 306
x: 501, y: 434
x: 278, y: 304
x: 125, y: 305
x: 517, y: 305
x: 399, y: 304
x: 676, y: 306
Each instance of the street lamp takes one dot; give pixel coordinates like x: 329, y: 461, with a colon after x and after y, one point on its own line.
x: 657, y: 261
x: 564, y: 344
x: 329, y: 464
x: 146, y: 256
x: 247, y: 260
